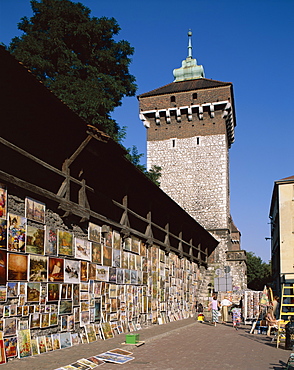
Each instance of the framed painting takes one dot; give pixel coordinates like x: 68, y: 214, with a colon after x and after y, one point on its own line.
x: 127, y: 244
x: 69, y: 291
x: 135, y: 245
x: 34, y: 346
x: 95, y: 360
x: 3, y: 201
x: 3, y: 233
x: 107, y: 256
x: 77, y: 314
x: 49, y: 344
x: 33, y: 292
x: 45, y: 320
x: 108, y: 239
x: 35, y: 239
x: 88, y: 364
x: 102, y: 273
x: 50, y: 241
x: 84, y: 271
x: 84, y: 318
x: 143, y: 249
x: 116, y: 258
x: 3, y: 267
x: 112, y: 275
x: 94, y: 232
x: 12, y: 289
x: 76, y: 294
x: 65, y: 243
x: 53, y: 319
x: 10, y: 326
x: 41, y: 344
x: 35, y: 320
x: 119, y: 276
x: 124, y: 260
x: 70, y: 322
x: 71, y: 271
x: 35, y: 210
x: 75, y: 339
x: 24, y: 343
x: 63, y: 322
x: 65, y: 307
x: 17, y: 267
x: 55, y: 341
x: 65, y: 340
x: 2, y: 352
x: 55, y: 269
x: 83, y: 249
x: 96, y: 253
x: 16, y: 233
x: 116, y: 240
x: 106, y: 330
x: 10, y: 345
x: 38, y: 268
x: 132, y: 261
x: 53, y: 292
x: 92, y: 271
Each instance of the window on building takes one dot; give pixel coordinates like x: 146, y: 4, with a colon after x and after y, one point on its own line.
x: 195, y: 96
x: 173, y: 143
x: 172, y: 99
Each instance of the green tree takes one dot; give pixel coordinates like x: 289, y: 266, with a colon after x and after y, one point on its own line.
x: 76, y: 57
x: 258, y: 272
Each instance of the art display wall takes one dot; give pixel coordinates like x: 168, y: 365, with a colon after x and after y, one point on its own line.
x: 63, y: 284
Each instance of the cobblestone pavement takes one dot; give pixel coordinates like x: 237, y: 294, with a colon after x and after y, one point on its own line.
x: 184, y: 344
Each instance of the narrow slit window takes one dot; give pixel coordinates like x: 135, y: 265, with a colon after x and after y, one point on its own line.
x: 173, y: 143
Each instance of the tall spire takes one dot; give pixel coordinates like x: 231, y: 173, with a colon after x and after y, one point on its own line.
x: 189, y: 70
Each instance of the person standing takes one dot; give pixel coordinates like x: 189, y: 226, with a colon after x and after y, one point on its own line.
x: 214, y: 305
x: 225, y: 304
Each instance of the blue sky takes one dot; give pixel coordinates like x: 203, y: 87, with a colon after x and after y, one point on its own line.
x: 248, y: 43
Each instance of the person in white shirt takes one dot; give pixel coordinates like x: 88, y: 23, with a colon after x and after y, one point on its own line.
x: 225, y: 304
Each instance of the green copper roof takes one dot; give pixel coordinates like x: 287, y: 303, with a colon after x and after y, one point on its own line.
x: 189, y: 70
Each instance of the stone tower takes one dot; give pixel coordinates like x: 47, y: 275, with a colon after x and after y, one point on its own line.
x: 190, y: 129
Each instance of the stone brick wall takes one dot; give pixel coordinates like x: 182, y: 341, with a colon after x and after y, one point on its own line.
x: 195, y: 174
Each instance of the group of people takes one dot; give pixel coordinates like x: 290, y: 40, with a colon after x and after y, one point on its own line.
x: 222, y: 308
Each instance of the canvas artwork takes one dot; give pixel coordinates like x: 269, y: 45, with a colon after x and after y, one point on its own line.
x: 53, y: 292
x: 53, y: 319
x: 10, y: 345
x: 85, y: 305
x: 69, y: 291
x: 35, y: 320
x: 128, y: 244
x: 116, y: 240
x: 107, y: 256
x: 65, y: 340
x: 65, y: 243
x: 63, y: 289
x: 113, y: 357
x: 135, y: 245
x: 3, y: 265
x: 132, y: 261
x: 50, y: 241
x: 83, y: 249
x: 119, y: 276
x: 75, y: 339
x: 2, y: 352
x: 106, y: 330
x: 34, y: 346
x: 84, y: 271
x: 16, y: 233
x: 92, y: 271
x: 96, y: 361
x: 65, y: 307
x: 90, y: 332
x: 45, y: 320
x: 49, y: 344
x: 35, y: 210
x: 41, y: 344
x: 143, y: 249
x: 102, y: 273
x: 55, y: 341
x: 24, y: 343
x: 33, y: 292
x: 35, y: 239
x: 116, y: 258
x: 3, y: 232
x: 120, y: 351
x: 112, y: 275
x: 94, y: 232
x: 17, y: 267
x: 84, y: 318
x: 13, y: 309
x: 76, y: 294
x: 63, y: 322
x: 127, y: 276
x: 10, y: 326
x: 97, y: 310
x: 108, y: 239
x: 96, y: 253
x: 12, y: 289
x: 3, y: 201
x: 38, y: 267
x: 124, y: 260
x: 77, y: 311
x: 23, y: 324
x: 70, y: 322
x: 71, y: 271
x: 55, y: 269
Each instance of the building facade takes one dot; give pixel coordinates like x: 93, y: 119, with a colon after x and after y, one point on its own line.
x: 190, y: 129
x: 282, y: 232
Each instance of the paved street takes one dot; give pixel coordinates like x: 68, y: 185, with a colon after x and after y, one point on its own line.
x: 185, y: 344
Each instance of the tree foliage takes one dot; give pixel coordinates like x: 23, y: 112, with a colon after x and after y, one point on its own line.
x: 76, y: 57
x: 258, y: 272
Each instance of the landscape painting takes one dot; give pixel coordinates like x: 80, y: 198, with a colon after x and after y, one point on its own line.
x: 38, y: 267
x: 94, y: 232
x: 17, y: 267
x: 65, y: 243
x: 35, y: 239
x: 35, y: 210
x: 33, y: 292
x: 82, y: 249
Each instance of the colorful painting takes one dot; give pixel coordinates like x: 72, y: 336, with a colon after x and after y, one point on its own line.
x: 71, y: 271
x: 116, y: 240
x: 75, y: 339
x: 135, y: 245
x: 3, y: 232
x: 53, y: 292
x: 45, y: 320
x: 41, y: 344
x: 94, y: 232
x: 3, y: 264
x: 56, y: 341
x: 55, y: 269
x: 65, y: 340
x: 53, y: 319
x: 108, y: 239
x: 83, y: 249
x: 102, y: 273
x: 64, y: 307
x: 65, y: 243
x: 34, y: 346
x: 112, y: 275
x: 88, y: 364
x: 2, y: 352
x: 49, y: 344
x: 10, y: 345
x: 33, y: 292
x: 96, y: 253
x: 92, y: 271
x: 3, y: 201
x: 106, y: 330
x: 119, y: 276
x: 128, y: 244
x: 10, y: 326
x: 116, y: 258
x: 50, y: 241
x: 107, y: 256
x: 84, y: 271
x: 12, y: 289
x: 84, y: 318
x: 35, y: 210
x: 17, y: 267
x: 38, y: 267
x: 16, y: 233
x: 114, y: 357
x: 24, y: 343
x: 35, y: 239
x: 35, y: 320
x: 76, y: 294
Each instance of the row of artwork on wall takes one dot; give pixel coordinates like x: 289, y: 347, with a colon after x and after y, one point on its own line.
x: 59, y: 290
